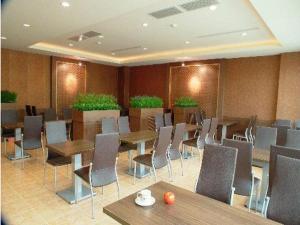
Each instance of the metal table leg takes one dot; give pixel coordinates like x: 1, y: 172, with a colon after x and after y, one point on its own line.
x: 224, y: 133
x: 18, y: 151
x: 78, y: 191
x: 141, y: 170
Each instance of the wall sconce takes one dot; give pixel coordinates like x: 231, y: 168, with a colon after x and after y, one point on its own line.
x: 195, y: 84
x: 70, y: 83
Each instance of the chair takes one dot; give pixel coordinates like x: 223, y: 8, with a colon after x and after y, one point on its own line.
x: 281, y: 122
x: 168, y: 119
x: 284, y: 201
x: 123, y: 124
x: 109, y: 125
x: 211, y: 134
x: 281, y: 135
x: 32, y: 137
x: 199, y: 118
x: 244, y: 180
x: 8, y: 116
x: 174, y: 151
x: 33, y: 110
x: 67, y: 116
x: 28, y: 110
x: 198, y: 142
x: 293, y: 139
x: 102, y: 170
x: 265, y: 137
x: 158, y: 158
x: 159, y: 121
x: 55, y: 133
x: 217, y: 173
x: 245, y: 135
x: 50, y: 115
x: 297, y: 124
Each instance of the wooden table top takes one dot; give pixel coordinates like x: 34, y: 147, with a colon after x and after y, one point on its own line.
x: 227, y: 122
x: 262, y: 155
x: 70, y: 148
x: 189, y: 208
x: 13, y: 126
x: 138, y: 136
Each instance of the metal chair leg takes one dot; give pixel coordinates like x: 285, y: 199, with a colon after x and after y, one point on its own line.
x: 170, y: 170
x: 45, y: 173
x: 181, y: 162
x: 134, y: 172
x: 118, y: 188
x: 154, y: 171
x: 92, y: 197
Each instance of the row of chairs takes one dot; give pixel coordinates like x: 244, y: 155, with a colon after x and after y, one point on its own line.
x: 248, y: 134
x: 162, y: 119
x: 49, y: 114
x: 287, y: 123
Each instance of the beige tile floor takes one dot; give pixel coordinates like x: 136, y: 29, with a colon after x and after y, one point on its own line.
x: 27, y: 201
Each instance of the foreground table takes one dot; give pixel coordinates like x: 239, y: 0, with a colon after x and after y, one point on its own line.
x: 77, y: 191
x: 139, y: 138
x: 189, y: 208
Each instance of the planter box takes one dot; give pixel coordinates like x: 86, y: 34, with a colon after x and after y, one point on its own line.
x: 86, y: 124
x: 143, y: 118
x: 8, y: 106
x: 181, y: 114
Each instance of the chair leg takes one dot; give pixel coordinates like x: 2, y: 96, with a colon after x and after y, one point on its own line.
x: 92, y: 198
x: 134, y: 172
x: 170, y: 170
x: 181, y: 163
x: 154, y: 171
x: 55, y: 178
x: 129, y: 159
x: 256, y: 197
x: 118, y: 188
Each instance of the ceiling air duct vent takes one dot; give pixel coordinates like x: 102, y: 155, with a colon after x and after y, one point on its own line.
x: 84, y: 36
x: 193, y: 5
x: 126, y: 49
x: 165, y: 12
x: 91, y: 34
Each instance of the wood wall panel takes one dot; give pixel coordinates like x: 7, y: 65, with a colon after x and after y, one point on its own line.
x: 288, y: 104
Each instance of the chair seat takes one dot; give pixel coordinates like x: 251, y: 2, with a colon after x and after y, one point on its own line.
x: 8, y: 133
x: 83, y: 173
x: 29, y: 144
x: 191, y: 142
x: 145, y: 159
x: 256, y: 181
x: 59, y: 161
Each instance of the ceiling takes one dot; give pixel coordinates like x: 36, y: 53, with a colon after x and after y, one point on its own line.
x: 236, y: 28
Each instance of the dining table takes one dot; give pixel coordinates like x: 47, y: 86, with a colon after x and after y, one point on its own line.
x: 77, y: 191
x: 225, y: 124
x: 138, y: 138
x: 189, y: 208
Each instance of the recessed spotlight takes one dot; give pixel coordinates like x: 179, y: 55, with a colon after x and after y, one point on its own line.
x: 187, y: 42
x: 244, y: 34
x: 80, y: 64
x: 113, y: 53
x: 145, y: 49
x: 26, y: 25
x: 71, y: 45
x: 65, y: 4
x: 182, y: 64
x: 145, y: 24
x: 173, y: 25
x: 3, y: 38
x: 101, y: 36
x: 213, y: 7
x: 80, y: 37
x: 99, y: 42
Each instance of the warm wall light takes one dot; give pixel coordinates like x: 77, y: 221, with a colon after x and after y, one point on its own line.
x: 194, y: 84
x: 70, y: 83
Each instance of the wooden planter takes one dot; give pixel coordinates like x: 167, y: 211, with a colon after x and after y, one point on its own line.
x: 143, y: 118
x: 181, y: 114
x: 8, y: 106
x: 86, y: 124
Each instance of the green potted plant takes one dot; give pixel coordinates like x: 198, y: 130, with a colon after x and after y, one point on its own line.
x: 183, y: 107
x: 142, y: 111
x: 8, y: 99
x: 88, y: 111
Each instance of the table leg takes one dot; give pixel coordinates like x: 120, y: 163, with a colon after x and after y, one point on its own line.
x: 186, y: 154
x: 78, y: 191
x: 224, y: 133
x: 141, y: 170
x: 18, y: 151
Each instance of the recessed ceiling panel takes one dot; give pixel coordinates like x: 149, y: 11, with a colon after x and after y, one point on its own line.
x: 165, y: 12
x: 193, y: 5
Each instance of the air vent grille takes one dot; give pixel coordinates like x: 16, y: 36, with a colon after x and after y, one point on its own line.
x: 84, y: 36
x: 165, y: 12
x: 229, y: 32
x: 126, y: 49
x: 90, y: 34
x: 193, y: 5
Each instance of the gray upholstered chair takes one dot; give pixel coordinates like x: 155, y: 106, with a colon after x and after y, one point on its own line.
x: 159, y: 121
x: 158, y: 158
x: 50, y: 115
x: 281, y: 122
x: 168, y: 119
x: 217, y: 173
x: 102, y: 170
x: 265, y: 137
x: 210, y: 139
x: 284, y: 201
x: 198, y: 117
x: 123, y: 123
x: 281, y: 135
x: 244, y: 181
x: 8, y: 116
x: 109, y: 125
x: 174, y: 151
x: 297, y: 124
x: 67, y: 116
x: 293, y: 139
x: 55, y: 133
x: 32, y: 137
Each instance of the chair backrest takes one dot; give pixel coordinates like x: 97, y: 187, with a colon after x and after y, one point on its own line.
x: 285, y: 195
x: 67, y: 113
x: 33, y: 110
x: 203, y: 133
x: 212, y: 131
x: 217, y: 172
x: 178, y: 136
x: 198, y: 117
x: 281, y: 122
x: 164, y: 140
x: 159, y: 121
x: 293, y: 139
x: 28, y: 110
x: 56, y: 132
x: 123, y: 123
x: 9, y: 116
x: 281, y: 135
x: 109, y: 125
x: 50, y: 115
x: 265, y: 137
x: 243, y: 170
x: 32, y: 132
x: 297, y: 124
x: 168, y: 119
x: 104, y: 159
x: 275, y: 151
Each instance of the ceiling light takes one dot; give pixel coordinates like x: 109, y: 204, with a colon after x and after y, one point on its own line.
x: 79, y: 64
x: 26, y: 25
x: 182, y: 64
x: 244, y: 34
x: 145, y: 24
x: 145, y: 49
x: 113, y: 53
x: 213, y: 7
x: 99, y: 42
x: 65, y: 4
x: 187, y: 42
x: 71, y: 45
x: 173, y: 25
x: 3, y: 38
x: 101, y: 36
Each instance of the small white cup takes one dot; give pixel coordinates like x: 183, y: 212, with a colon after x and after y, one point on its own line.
x: 144, y: 195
